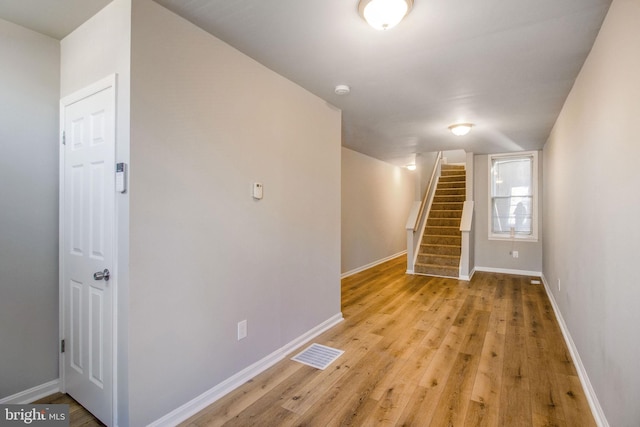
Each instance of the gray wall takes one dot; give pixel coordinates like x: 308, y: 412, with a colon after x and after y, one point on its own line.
x: 592, y: 205
x: 206, y: 122
x: 29, y: 87
x: 495, y: 254
x: 97, y: 49
x: 376, y: 199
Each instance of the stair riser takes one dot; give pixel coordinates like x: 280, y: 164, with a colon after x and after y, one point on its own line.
x: 442, y: 231
x: 442, y: 240
x: 452, y: 178
x: 443, y: 261
x: 445, y: 214
x: 443, y: 222
x: 446, y: 206
x: 452, y: 172
x: 439, y: 250
x: 461, y: 185
x: 449, y: 198
x: 437, y: 271
x: 450, y: 192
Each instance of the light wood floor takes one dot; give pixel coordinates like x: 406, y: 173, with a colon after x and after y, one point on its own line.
x: 423, y: 351
x: 78, y: 416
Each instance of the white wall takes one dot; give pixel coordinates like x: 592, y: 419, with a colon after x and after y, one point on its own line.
x: 592, y: 205
x: 454, y: 156
x: 376, y: 199
x: 425, y: 162
x: 495, y: 254
x: 206, y: 122
x: 98, y: 48
x: 29, y: 75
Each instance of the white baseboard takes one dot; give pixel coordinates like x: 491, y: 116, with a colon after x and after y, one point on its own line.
x: 509, y: 271
x: 469, y: 277
x: 33, y: 394
x: 594, y: 404
x: 207, y: 398
x: 372, y: 264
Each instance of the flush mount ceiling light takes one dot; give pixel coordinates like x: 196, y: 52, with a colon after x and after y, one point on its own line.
x: 384, y: 14
x: 342, y: 90
x: 461, y: 129
x: 411, y: 167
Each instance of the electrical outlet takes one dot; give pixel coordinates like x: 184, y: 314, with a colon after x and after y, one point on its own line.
x: 242, y: 330
x: 558, y: 283
x: 514, y: 254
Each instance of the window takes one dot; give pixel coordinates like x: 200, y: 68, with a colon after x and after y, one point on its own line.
x: 513, y: 196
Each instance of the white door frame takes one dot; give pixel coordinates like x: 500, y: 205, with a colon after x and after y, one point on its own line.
x: 105, y: 83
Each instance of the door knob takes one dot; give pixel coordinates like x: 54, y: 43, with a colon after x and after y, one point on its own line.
x: 100, y: 275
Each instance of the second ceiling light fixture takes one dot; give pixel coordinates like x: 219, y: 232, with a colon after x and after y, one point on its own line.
x: 384, y: 14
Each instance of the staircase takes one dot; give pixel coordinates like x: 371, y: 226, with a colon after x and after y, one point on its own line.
x: 439, y: 253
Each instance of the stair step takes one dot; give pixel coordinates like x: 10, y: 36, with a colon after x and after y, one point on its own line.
x: 437, y: 206
x: 445, y: 214
x: 450, y: 191
x: 453, y: 172
x: 430, y: 249
x: 443, y: 222
x: 456, y: 198
x: 452, y: 166
x: 452, y: 184
x: 435, y: 239
x: 442, y: 230
x: 439, y: 260
x: 436, y: 270
x: 452, y: 178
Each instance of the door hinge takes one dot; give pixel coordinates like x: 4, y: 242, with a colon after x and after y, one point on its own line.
x: 61, y: 346
x: 64, y: 138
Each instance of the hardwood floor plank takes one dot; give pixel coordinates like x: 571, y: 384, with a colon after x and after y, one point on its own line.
x: 455, y: 397
x: 311, y: 392
x: 498, y: 319
x: 574, y: 401
x: 488, y: 382
x: 423, y: 351
x: 515, y: 406
x: 241, y: 398
x: 78, y: 416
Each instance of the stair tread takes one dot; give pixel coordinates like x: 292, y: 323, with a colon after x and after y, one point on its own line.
x: 441, y: 255
x: 444, y: 267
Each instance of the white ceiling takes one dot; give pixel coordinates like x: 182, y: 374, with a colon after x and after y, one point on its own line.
x: 504, y: 65
x: 54, y: 18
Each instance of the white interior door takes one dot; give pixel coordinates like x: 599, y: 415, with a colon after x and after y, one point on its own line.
x: 87, y: 248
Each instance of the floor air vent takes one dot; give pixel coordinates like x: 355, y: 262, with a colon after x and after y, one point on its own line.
x: 318, y: 356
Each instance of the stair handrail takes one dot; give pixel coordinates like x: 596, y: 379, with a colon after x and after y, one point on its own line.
x: 417, y: 217
x: 425, y: 197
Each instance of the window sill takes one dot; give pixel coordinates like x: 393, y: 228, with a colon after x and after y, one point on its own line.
x: 532, y: 239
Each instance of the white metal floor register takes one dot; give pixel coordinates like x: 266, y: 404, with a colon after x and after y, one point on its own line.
x: 318, y: 356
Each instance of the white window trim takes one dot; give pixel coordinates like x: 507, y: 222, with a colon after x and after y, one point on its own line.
x: 534, y: 214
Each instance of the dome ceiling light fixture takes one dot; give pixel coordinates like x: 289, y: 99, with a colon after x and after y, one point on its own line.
x: 342, y: 90
x: 384, y: 14
x: 460, y: 129
x: 411, y: 167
